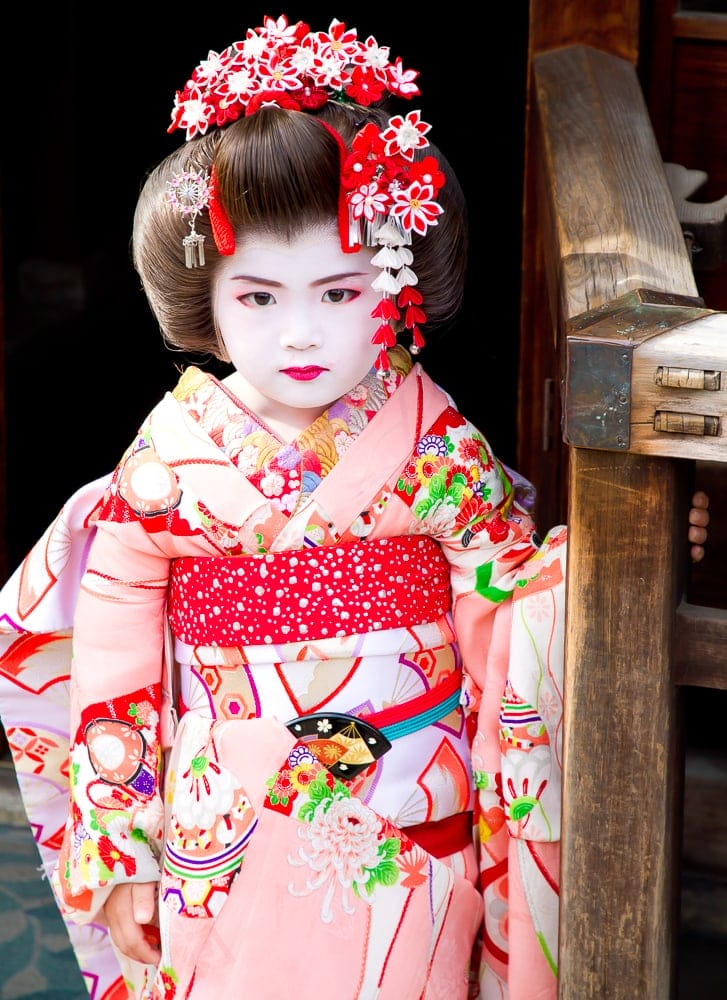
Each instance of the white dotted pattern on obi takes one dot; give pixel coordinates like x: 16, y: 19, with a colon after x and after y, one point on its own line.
x: 310, y: 593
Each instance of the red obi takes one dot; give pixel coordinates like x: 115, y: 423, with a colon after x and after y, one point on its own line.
x: 308, y: 594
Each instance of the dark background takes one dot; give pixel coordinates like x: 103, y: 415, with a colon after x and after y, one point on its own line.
x: 89, y: 93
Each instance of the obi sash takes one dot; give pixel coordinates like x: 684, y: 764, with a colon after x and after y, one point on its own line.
x: 308, y: 594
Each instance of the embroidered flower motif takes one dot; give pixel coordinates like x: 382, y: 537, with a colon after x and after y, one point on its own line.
x: 210, y: 792
x: 145, y: 714
x: 110, y: 855
x: 409, y: 479
x: 551, y: 707
x: 272, y: 484
x: 474, y: 449
x: 525, y: 778
x: 433, y: 444
x: 344, y: 848
x: 281, y: 790
x: 539, y: 607
x: 165, y: 984
x: 303, y: 775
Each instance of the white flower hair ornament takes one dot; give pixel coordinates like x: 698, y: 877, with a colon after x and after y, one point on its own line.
x: 189, y: 194
x: 386, y: 195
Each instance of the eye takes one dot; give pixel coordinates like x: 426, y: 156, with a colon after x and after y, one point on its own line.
x: 258, y: 299
x: 337, y: 295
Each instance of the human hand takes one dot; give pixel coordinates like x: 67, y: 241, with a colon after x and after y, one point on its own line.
x: 131, y: 914
x: 698, y: 521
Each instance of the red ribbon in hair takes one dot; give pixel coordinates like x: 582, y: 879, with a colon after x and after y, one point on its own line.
x: 343, y: 227
x: 222, y: 231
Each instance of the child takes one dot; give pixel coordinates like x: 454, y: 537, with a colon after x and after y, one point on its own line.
x: 317, y: 644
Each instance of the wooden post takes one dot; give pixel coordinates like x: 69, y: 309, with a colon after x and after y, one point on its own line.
x: 622, y: 794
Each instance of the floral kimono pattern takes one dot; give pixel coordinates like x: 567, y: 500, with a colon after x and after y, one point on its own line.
x: 248, y: 619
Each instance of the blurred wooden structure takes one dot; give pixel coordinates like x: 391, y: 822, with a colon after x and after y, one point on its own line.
x: 636, y: 364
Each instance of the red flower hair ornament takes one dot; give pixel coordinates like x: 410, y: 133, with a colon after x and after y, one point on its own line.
x: 386, y: 195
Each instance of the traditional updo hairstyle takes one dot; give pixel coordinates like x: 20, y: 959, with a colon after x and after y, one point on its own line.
x: 277, y: 171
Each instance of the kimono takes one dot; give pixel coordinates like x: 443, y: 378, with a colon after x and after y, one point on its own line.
x: 312, y: 689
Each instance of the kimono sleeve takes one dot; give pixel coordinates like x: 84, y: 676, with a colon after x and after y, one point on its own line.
x: 462, y: 496
x: 508, y: 612
x: 114, y: 828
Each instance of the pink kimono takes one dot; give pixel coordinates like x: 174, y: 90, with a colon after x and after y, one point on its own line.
x: 316, y: 694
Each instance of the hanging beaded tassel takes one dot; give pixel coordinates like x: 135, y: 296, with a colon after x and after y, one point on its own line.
x: 193, y: 248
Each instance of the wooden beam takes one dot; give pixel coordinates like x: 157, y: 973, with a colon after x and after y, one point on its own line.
x: 700, y: 654
x: 614, y: 221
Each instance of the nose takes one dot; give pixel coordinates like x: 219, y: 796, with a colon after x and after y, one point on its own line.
x: 302, y: 331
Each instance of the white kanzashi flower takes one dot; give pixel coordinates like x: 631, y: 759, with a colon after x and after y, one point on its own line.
x: 211, y: 67
x: 387, y: 257
x: 387, y: 283
x: 374, y: 55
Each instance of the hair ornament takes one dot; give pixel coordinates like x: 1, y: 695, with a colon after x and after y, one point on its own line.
x: 292, y: 66
x: 387, y: 194
x: 222, y: 231
x: 189, y: 193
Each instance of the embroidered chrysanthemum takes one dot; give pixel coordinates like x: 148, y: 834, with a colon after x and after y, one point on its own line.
x: 427, y: 466
x: 342, y: 841
x: 347, y: 849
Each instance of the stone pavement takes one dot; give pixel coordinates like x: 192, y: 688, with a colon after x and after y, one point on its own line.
x: 36, y: 959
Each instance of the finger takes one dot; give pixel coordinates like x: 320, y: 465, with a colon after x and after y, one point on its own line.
x: 144, y: 894
x: 141, y: 944
x: 697, y: 535
x: 699, y: 517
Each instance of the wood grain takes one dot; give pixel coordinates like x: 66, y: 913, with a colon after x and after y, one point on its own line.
x: 610, y: 235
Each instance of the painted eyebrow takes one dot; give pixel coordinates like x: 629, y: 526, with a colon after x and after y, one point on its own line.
x: 255, y: 280
x: 344, y: 276
x: 330, y: 279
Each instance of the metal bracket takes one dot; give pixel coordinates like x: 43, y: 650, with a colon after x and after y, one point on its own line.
x: 600, y: 346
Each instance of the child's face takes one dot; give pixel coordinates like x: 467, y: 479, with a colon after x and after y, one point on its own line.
x: 296, y: 321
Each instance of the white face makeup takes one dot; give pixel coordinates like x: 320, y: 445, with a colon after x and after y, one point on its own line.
x: 295, y: 318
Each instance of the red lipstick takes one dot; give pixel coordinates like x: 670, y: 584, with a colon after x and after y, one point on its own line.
x: 306, y: 374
